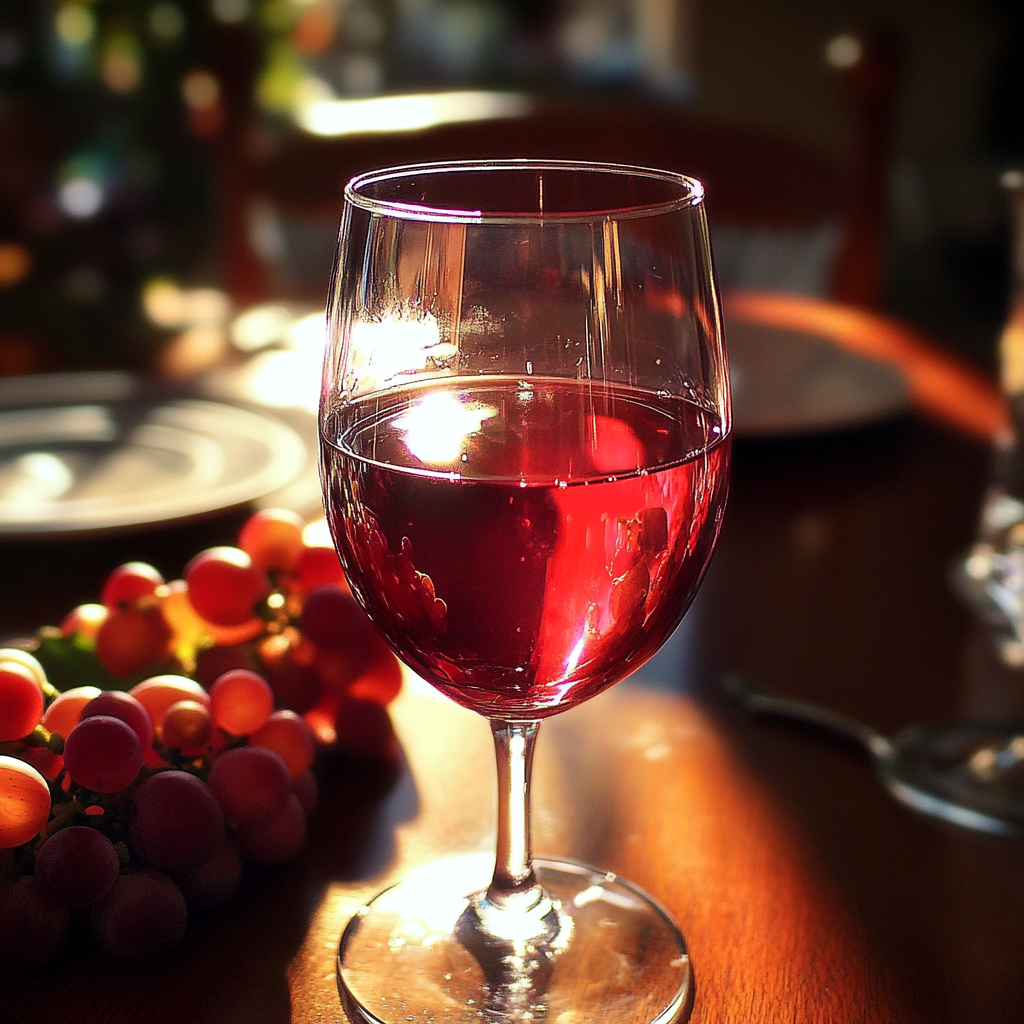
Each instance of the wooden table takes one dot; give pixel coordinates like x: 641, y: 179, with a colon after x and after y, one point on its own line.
x: 805, y: 893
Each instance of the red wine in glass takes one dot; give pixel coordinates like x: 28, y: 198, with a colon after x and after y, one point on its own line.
x: 524, y: 450
x: 525, y: 544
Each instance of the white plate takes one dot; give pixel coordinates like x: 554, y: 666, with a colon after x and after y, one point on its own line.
x: 791, y: 382
x: 103, y: 451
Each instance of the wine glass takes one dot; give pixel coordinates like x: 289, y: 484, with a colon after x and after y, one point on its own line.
x: 524, y: 452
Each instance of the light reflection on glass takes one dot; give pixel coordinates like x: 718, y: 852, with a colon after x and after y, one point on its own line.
x: 385, y: 349
x: 437, y: 428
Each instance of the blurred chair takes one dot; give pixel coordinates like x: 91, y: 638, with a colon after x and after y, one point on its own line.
x: 784, y: 217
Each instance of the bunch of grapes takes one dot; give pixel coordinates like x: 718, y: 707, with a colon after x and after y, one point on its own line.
x: 138, y: 803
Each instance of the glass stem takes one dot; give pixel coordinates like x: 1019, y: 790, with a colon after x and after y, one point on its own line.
x: 514, y: 885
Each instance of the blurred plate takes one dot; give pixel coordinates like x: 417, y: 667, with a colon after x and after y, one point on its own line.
x: 88, y: 452
x: 787, y: 381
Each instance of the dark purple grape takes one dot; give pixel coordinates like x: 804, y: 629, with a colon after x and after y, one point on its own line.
x: 277, y: 839
x: 124, y: 706
x: 214, y: 882
x: 305, y: 787
x: 141, y: 918
x: 77, y: 866
x: 103, y: 754
x: 251, y: 783
x: 177, y: 823
x: 332, y: 619
x: 33, y: 926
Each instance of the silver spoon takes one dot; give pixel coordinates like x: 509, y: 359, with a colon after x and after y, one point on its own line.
x: 969, y: 773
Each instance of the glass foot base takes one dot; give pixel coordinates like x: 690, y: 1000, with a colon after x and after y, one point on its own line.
x: 616, y: 957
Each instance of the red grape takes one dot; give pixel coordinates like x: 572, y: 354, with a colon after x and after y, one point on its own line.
x: 77, y: 866
x: 44, y: 760
x: 187, y: 725
x: 277, y: 839
x: 215, y: 881
x: 273, y: 538
x: 215, y: 661
x: 142, y: 917
x: 305, y: 787
x: 224, y: 585
x: 66, y: 711
x: 332, y: 619
x: 296, y: 686
x: 84, y: 621
x: 132, y: 639
x: 158, y: 693
x: 28, y: 660
x: 250, y: 783
x: 381, y: 679
x: 288, y: 735
x: 321, y: 718
x: 21, y: 700
x: 128, y: 582
x: 318, y: 566
x: 364, y: 730
x: 124, y: 706
x: 103, y: 754
x: 24, y: 802
x: 240, y: 701
x: 177, y: 823
x: 33, y: 926
x: 338, y: 670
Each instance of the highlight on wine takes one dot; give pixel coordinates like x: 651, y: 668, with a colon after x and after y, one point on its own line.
x: 157, y: 741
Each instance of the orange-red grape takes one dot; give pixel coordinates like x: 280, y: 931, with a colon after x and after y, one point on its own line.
x: 24, y: 802
x: 28, y: 660
x: 132, y: 639
x: 44, y: 760
x: 250, y: 783
x: 21, y: 700
x: 273, y: 538
x: 103, y: 754
x: 66, y: 711
x: 224, y: 586
x: 128, y: 582
x: 321, y: 718
x: 187, y: 725
x: 241, y: 701
x: 84, y: 621
x: 338, y: 670
x: 381, y: 679
x: 158, y: 693
x: 318, y: 566
x: 288, y: 735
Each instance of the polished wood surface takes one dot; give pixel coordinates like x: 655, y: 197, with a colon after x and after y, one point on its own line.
x: 805, y: 893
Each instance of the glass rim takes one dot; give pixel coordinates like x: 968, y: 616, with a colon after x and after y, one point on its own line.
x: 691, y: 192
